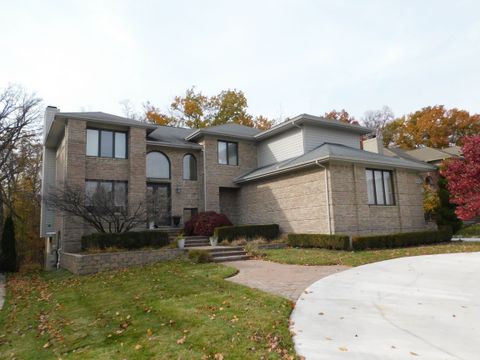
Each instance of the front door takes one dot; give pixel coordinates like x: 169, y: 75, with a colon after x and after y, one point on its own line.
x: 159, y: 205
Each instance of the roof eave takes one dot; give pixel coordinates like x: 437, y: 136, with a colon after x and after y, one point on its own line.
x: 179, y: 146
x: 199, y: 133
x: 419, y: 168
x: 149, y: 127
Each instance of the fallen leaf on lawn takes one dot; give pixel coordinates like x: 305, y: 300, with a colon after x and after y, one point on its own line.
x: 218, y: 356
x: 149, y: 332
x: 181, y: 340
x: 342, y: 348
x: 46, y: 345
x: 138, y: 347
x: 234, y: 319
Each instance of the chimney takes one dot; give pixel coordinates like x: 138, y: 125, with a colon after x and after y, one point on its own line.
x: 374, y: 144
x: 50, y: 112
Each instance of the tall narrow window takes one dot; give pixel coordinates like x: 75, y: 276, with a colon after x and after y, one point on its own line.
x: 158, y: 165
x: 189, y: 167
x: 106, y: 143
x: 120, y: 145
x: 92, y: 142
x: 227, y: 153
x: 380, y: 187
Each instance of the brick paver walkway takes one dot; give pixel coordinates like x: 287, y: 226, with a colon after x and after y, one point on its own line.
x: 288, y: 281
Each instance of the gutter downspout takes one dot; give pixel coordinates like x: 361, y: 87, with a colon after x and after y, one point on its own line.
x: 327, y: 196
x: 204, y: 177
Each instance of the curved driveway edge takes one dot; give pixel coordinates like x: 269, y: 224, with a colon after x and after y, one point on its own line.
x: 285, y: 280
x: 422, y: 307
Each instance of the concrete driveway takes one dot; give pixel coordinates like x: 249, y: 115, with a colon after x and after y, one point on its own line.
x: 424, y: 307
x: 288, y: 281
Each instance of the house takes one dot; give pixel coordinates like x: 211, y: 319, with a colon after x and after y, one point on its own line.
x: 308, y: 174
x: 428, y: 155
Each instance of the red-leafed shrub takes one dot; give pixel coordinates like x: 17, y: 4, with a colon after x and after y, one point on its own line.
x: 204, y: 223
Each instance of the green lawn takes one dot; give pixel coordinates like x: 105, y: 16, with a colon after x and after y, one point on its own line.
x: 469, y: 231
x: 172, y: 310
x: 351, y: 258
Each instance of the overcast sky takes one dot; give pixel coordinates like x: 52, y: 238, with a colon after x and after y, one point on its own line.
x: 289, y: 57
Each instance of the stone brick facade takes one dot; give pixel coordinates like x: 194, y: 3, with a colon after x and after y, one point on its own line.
x: 296, y: 201
x: 218, y: 175
x: 351, y: 213
x: 185, y: 193
x: 83, y: 264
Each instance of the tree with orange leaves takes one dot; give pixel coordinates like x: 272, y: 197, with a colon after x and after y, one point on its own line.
x: 341, y: 115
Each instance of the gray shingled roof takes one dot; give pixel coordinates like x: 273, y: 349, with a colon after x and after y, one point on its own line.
x: 333, y: 152
x: 429, y: 154
x: 174, y: 136
x: 105, y: 118
x: 314, y: 120
x: 229, y: 130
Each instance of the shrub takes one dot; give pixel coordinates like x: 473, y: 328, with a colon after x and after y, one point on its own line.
x: 269, y: 232
x: 401, y: 239
x: 128, y: 240
x: 337, y: 242
x: 445, y: 213
x: 199, y: 256
x: 204, y: 223
x: 9, y: 252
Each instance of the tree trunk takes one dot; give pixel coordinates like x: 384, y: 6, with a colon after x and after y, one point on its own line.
x: 1, y: 213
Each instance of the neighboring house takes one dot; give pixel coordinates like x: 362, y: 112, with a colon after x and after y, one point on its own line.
x: 308, y: 174
x: 428, y: 155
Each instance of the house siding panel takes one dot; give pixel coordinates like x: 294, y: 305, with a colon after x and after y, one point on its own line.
x: 280, y: 147
x: 315, y: 136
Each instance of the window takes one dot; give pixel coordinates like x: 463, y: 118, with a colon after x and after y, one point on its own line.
x: 158, y: 165
x: 380, y: 187
x: 188, y: 213
x: 104, y: 193
x: 189, y: 167
x: 106, y: 143
x: 227, y: 153
x: 92, y: 142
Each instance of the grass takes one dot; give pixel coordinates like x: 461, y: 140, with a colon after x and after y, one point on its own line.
x: 356, y: 258
x: 172, y: 310
x: 469, y: 231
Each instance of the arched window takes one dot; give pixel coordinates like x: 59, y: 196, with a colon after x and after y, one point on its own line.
x: 189, y: 167
x: 158, y: 165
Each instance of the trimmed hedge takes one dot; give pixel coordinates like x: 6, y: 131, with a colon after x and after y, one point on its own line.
x: 401, y: 239
x: 269, y: 232
x: 336, y: 242
x: 128, y: 240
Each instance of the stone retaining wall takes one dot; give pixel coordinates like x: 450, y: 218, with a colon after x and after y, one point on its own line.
x: 82, y: 264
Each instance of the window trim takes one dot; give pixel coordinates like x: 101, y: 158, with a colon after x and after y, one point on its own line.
x: 113, y: 182
x: 383, y: 187
x: 228, y: 157
x: 99, y: 149
x: 195, y: 177
x: 169, y: 167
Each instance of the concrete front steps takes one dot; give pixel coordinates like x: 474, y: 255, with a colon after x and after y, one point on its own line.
x: 196, y: 241
x: 228, y: 253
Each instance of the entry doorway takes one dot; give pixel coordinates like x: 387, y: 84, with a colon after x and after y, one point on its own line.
x: 159, y: 205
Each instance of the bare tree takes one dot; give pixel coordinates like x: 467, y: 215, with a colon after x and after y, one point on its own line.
x: 377, y: 119
x: 19, y: 112
x: 98, y: 209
